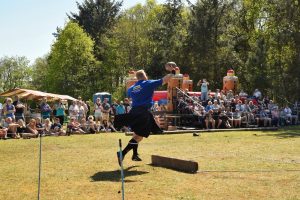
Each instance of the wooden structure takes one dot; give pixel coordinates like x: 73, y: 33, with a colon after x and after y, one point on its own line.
x: 34, y: 95
x: 175, y: 82
x: 174, y: 163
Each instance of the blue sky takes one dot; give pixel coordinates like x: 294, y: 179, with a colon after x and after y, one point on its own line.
x: 26, y: 26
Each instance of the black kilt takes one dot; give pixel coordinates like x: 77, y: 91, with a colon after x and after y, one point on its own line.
x: 140, y: 120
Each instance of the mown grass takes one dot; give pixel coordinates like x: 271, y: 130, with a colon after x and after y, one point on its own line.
x: 233, y: 165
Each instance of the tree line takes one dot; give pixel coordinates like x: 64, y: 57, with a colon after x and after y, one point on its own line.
x: 100, y: 43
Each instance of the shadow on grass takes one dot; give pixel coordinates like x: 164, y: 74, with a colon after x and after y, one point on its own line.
x: 249, y: 171
x: 115, y: 176
x: 177, y: 170
x: 283, y: 135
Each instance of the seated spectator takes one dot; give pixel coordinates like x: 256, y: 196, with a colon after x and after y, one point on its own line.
x: 237, y: 118
x: 83, y: 125
x: 74, y: 126
x: 224, y: 118
x: 3, y: 133
x: 56, y: 128
x: 209, y: 120
x: 229, y: 115
x: 209, y: 106
x: 243, y: 94
x: 155, y: 107
x: 47, y: 127
x: 91, y: 125
x: 271, y: 105
x: 263, y: 117
x: 275, y: 114
x: 107, y: 126
x: 229, y: 95
x: 216, y: 116
x: 31, y: 131
x: 11, y: 128
x: 21, y: 129
x: 39, y: 125
x: 247, y: 113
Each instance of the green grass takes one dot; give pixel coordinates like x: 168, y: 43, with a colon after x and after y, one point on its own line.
x: 233, y: 165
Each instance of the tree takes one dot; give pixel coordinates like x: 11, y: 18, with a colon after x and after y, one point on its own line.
x: 14, y: 72
x: 40, y: 71
x: 97, y: 17
x: 72, y: 63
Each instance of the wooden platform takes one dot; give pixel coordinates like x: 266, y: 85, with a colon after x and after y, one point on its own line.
x: 214, y: 130
x: 174, y: 163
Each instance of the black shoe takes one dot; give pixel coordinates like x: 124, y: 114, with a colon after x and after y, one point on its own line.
x: 119, y: 160
x: 136, y: 158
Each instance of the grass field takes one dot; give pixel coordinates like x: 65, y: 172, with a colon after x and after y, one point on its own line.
x: 233, y: 165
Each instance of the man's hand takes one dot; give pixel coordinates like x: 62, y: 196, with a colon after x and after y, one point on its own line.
x: 167, y: 78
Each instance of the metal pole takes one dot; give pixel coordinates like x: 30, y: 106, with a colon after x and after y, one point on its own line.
x: 122, y: 171
x: 40, y: 167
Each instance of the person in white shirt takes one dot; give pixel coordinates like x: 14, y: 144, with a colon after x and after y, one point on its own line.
x: 74, y: 110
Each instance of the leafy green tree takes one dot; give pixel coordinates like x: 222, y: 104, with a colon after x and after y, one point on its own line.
x: 40, y: 69
x: 97, y: 18
x: 72, y: 63
x: 14, y: 72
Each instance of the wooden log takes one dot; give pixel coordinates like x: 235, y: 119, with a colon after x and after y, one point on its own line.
x: 174, y: 163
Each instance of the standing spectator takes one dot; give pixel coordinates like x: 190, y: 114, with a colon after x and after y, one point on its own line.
x: 74, y: 110
x: 230, y: 95
x: 204, y: 89
x: 98, y: 111
x: 9, y: 109
x: 45, y: 109
x: 257, y: 94
x: 288, y: 114
x: 20, y: 108
x: 88, y: 111
x: 1, y: 111
x: 60, y: 111
x: 82, y: 110
x: 127, y: 105
x: 120, y: 109
x: 106, y: 109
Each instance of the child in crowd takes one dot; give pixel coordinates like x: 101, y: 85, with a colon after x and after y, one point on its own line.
x: 56, y: 128
x: 47, y: 127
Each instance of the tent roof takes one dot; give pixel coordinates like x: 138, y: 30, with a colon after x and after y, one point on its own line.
x: 34, y: 94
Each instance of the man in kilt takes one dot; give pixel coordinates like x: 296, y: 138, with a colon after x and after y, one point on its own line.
x: 140, y: 119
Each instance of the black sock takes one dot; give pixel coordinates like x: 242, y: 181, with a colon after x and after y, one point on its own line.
x: 131, y: 144
x: 135, y: 148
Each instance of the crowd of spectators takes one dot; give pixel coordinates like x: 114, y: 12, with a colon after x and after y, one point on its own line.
x: 209, y: 111
x: 220, y: 110
x: 57, y: 119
